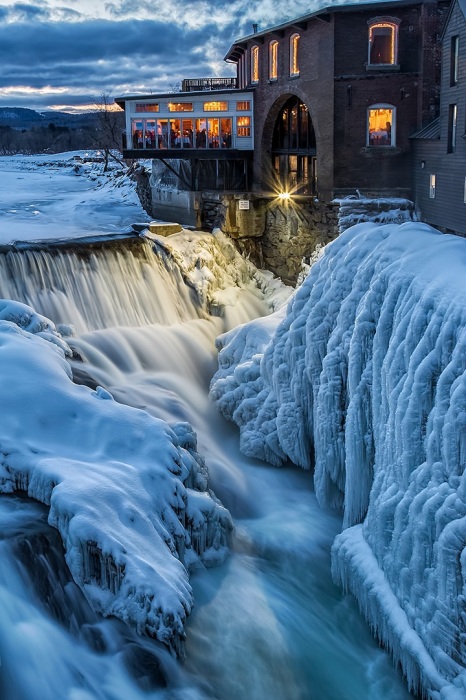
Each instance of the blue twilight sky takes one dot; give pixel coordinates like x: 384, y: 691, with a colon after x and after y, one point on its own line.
x: 63, y: 54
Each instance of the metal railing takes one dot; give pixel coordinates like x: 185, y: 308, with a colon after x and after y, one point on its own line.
x: 194, y: 84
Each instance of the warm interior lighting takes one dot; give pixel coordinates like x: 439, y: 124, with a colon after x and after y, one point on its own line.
x: 284, y: 196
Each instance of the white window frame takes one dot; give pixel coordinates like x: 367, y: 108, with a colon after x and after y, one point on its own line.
x: 432, y: 185
x: 452, y: 127
x: 382, y: 105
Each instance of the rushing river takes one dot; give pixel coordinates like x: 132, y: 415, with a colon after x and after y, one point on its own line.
x: 268, y: 624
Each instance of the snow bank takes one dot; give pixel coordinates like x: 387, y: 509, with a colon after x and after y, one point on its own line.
x: 128, y: 494
x: 82, y: 201
x: 388, y: 210
x: 213, y: 268
x: 365, y: 381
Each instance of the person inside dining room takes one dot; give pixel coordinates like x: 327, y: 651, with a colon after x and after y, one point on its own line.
x: 380, y: 125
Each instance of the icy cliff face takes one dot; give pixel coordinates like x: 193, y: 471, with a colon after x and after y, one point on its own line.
x: 127, y: 492
x: 364, y: 380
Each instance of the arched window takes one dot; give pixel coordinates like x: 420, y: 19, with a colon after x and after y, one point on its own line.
x: 273, y: 60
x: 255, y: 64
x: 294, y: 148
x: 294, y: 59
x: 383, y: 41
x: 381, y: 125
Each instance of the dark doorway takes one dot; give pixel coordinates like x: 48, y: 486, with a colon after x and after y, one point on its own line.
x: 294, y: 148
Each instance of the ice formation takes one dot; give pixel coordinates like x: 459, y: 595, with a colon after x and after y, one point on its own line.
x: 127, y: 492
x: 364, y: 380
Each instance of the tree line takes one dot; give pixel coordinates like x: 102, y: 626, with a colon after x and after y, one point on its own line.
x: 103, y: 133
x: 45, y: 139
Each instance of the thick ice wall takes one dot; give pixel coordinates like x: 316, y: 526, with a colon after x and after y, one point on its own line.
x: 128, y: 494
x: 365, y: 380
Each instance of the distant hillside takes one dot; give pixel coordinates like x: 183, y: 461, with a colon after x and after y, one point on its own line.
x: 23, y: 118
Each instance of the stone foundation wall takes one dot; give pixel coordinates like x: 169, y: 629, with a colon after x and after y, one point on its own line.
x: 273, y: 234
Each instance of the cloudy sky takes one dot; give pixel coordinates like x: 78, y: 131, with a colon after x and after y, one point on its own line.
x: 64, y: 54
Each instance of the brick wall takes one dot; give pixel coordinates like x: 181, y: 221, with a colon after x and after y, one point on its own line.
x: 336, y: 86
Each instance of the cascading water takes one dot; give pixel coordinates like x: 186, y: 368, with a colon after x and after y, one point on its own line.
x: 268, y: 624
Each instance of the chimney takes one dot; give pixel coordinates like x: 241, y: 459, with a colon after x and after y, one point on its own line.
x: 254, y: 28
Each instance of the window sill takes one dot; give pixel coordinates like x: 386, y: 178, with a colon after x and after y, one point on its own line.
x: 386, y: 67
x: 388, y: 150
x: 294, y: 76
x: 272, y: 80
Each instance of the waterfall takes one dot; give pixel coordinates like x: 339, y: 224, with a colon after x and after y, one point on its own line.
x: 98, y: 287
x: 269, y: 623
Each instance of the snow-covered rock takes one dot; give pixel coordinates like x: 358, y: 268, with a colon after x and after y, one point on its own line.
x: 213, y: 268
x: 128, y: 493
x: 364, y: 381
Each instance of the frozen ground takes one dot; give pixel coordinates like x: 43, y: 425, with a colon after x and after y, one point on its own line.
x: 63, y: 197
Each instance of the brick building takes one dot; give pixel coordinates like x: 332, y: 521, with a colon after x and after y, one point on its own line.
x: 338, y: 93
x: 322, y: 106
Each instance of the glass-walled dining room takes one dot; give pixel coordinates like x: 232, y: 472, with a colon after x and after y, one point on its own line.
x: 168, y: 133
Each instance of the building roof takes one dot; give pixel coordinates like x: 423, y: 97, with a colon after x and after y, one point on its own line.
x: 322, y: 14
x: 431, y: 131
x: 120, y: 101
x: 462, y: 6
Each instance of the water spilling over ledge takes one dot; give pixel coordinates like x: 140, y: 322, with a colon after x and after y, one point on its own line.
x: 364, y: 381
x: 128, y: 493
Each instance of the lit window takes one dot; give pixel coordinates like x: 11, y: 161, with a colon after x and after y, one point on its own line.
x: 255, y: 64
x: 147, y: 107
x: 215, y: 106
x: 432, y: 187
x: 454, y: 59
x: 243, y: 126
x: 452, y: 120
x: 273, y: 60
x: 383, y: 42
x: 243, y: 106
x: 381, y: 125
x: 294, y: 62
x: 180, y: 106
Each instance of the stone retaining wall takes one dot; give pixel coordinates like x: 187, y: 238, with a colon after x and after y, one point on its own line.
x: 274, y: 234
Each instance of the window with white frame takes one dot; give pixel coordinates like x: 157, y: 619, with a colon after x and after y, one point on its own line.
x: 432, y: 180
x: 243, y: 126
x: 215, y: 106
x: 273, y: 60
x: 146, y: 107
x: 294, y: 58
x: 381, y: 125
x: 383, y: 41
x: 180, y: 106
x: 454, y: 59
x: 255, y: 64
x: 452, y: 124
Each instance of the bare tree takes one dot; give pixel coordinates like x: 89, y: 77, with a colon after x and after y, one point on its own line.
x: 108, y: 135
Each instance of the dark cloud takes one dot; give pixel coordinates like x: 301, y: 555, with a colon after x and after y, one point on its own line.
x: 89, y: 57
x: 100, y: 56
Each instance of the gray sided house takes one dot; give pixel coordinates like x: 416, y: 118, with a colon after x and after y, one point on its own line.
x: 439, y: 150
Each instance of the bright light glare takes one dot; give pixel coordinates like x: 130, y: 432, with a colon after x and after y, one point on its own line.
x: 284, y: 195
